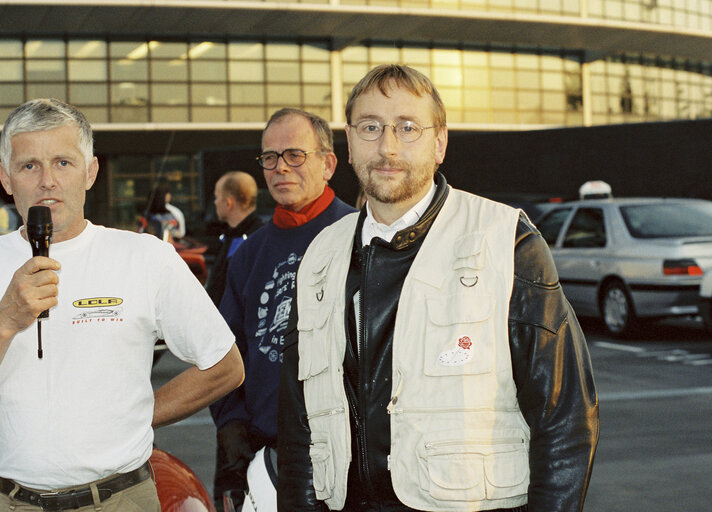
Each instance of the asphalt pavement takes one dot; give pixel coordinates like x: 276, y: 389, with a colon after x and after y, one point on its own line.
x: 655, y: 393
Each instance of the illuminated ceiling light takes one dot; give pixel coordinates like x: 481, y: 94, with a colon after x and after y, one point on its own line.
x: 197, y: 51
x: 141, y: 50
x: 87, y: 49
x: 31, y: 47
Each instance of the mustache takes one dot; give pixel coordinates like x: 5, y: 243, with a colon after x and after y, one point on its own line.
x: 388, y: 163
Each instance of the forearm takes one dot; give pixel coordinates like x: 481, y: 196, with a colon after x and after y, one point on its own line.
x: 6, y: 336
x: 194, y: 389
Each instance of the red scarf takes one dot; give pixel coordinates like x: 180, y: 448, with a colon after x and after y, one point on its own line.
x: 287, y: 219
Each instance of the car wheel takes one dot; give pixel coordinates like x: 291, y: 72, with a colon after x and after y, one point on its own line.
x: 617, y: 310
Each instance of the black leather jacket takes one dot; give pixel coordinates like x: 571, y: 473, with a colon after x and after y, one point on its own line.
x: 550, y: 361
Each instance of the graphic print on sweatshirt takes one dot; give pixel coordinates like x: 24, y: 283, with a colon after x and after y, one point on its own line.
x: 277, y: 294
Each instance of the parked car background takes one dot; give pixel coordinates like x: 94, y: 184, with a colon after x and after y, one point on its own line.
x: 626, y: 260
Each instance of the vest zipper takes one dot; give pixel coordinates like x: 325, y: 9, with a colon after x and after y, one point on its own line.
x: 329, y: 412
x: 364, y: 469
x: 430, y: 410
x: 476, y: 442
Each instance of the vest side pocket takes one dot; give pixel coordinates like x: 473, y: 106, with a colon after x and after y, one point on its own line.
x: 323, y: 465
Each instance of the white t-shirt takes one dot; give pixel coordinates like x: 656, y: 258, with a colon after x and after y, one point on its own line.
x: 84, y: 411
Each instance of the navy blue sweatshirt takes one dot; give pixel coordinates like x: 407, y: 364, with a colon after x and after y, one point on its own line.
x: 258, y: 296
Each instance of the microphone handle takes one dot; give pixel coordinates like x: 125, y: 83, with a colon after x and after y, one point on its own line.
x: 40, y: 247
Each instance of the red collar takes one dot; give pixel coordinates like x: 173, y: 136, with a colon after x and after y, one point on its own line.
x: 287, y: 219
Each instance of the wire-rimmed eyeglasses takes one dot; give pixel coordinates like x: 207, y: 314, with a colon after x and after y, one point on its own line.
x: 292, y: 157
x: 406, y: 131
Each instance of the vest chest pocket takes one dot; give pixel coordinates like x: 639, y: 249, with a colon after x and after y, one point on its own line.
x: 474, y: 465
x: 460, y: 335
x: 314, y: 340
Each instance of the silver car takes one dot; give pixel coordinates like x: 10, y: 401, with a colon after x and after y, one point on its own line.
x: 624, y: 260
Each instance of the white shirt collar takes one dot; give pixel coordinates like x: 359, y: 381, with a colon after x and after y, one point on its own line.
x: 372, y: 228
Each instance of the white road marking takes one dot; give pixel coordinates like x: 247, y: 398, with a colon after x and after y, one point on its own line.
x: 617, y: 346
x: 653, y: 393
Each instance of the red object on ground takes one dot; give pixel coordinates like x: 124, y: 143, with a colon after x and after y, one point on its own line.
x: 179, y: 489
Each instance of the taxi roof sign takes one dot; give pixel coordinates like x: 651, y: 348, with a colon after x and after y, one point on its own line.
x: 596, y: 189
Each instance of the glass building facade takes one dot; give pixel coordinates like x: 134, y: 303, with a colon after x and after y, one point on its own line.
x: 237, y: 81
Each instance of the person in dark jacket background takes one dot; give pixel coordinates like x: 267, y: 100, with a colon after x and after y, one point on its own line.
x: 298, y: 160
x: 235, y: 203
x: 432, y: 361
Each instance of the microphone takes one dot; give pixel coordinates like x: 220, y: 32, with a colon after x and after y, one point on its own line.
x: 39, y: 233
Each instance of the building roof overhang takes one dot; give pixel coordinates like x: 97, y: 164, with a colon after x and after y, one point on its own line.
x: 344, y: 24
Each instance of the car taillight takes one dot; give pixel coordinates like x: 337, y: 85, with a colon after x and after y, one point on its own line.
x: 686, y: 267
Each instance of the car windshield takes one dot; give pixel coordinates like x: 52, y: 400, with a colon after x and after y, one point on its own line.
x: 665, y: 220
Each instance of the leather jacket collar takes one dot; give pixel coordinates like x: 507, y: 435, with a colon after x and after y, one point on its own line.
x: 410, y: 235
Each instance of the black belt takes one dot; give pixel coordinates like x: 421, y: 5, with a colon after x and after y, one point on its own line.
x: 79, y: 497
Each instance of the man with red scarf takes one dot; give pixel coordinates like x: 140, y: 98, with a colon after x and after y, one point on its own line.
x: 298, y: 160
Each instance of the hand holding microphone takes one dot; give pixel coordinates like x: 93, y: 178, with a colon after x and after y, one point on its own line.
x: 39, y: 233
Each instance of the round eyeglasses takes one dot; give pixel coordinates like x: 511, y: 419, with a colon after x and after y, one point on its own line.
x: 292, y: 157
x: 406, y: 131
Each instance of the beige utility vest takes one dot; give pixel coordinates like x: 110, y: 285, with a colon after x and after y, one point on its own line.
x: 458, y: 438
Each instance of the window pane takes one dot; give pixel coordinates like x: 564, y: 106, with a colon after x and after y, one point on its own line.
x: 247, y: 94
x: 173, y: 70
x: 169, y: 114
x: 129, y: 93
x: 57, y: 90
x: 247, y: 114
x: 11, y: 94
x: 128, y: 50
x: 208, y: 71
x: 283, y: 51
x: 168, y: 50
x: 87, y: 70
x: 209, y: 114
x: 11, y: 48
x: 246, y: 71
x: 127, y: 69
x: 284, y: 95
x: 88, y: 94
x: 317, y: 95
x: 246, y: 50
x: 10, y: 71
x: 209, y: 94
x: 43, y: 48
x: 319, y: 73
x: 129, y: 114
x: 169, y: 94
x: 283, y: 71
x: 207, y: 50
x: 45, y: 70
x: 79, y: 49
x: 315, y: 52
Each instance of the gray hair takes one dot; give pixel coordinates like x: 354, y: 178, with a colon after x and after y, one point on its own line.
x: 321, y: 127
x: 40, y: 115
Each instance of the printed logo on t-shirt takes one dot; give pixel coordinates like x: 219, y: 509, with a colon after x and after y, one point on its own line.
x: 98, y: 309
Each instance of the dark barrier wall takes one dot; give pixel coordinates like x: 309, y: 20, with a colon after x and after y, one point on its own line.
x: 661, y: 159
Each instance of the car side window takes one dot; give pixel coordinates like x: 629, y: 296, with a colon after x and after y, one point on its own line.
x: 550, y: 225
x: 586, y: 229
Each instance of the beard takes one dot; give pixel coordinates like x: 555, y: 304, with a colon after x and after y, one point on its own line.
x: 392, y: 190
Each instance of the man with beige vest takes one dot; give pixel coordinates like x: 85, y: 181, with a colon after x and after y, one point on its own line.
x: 432, y: 361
